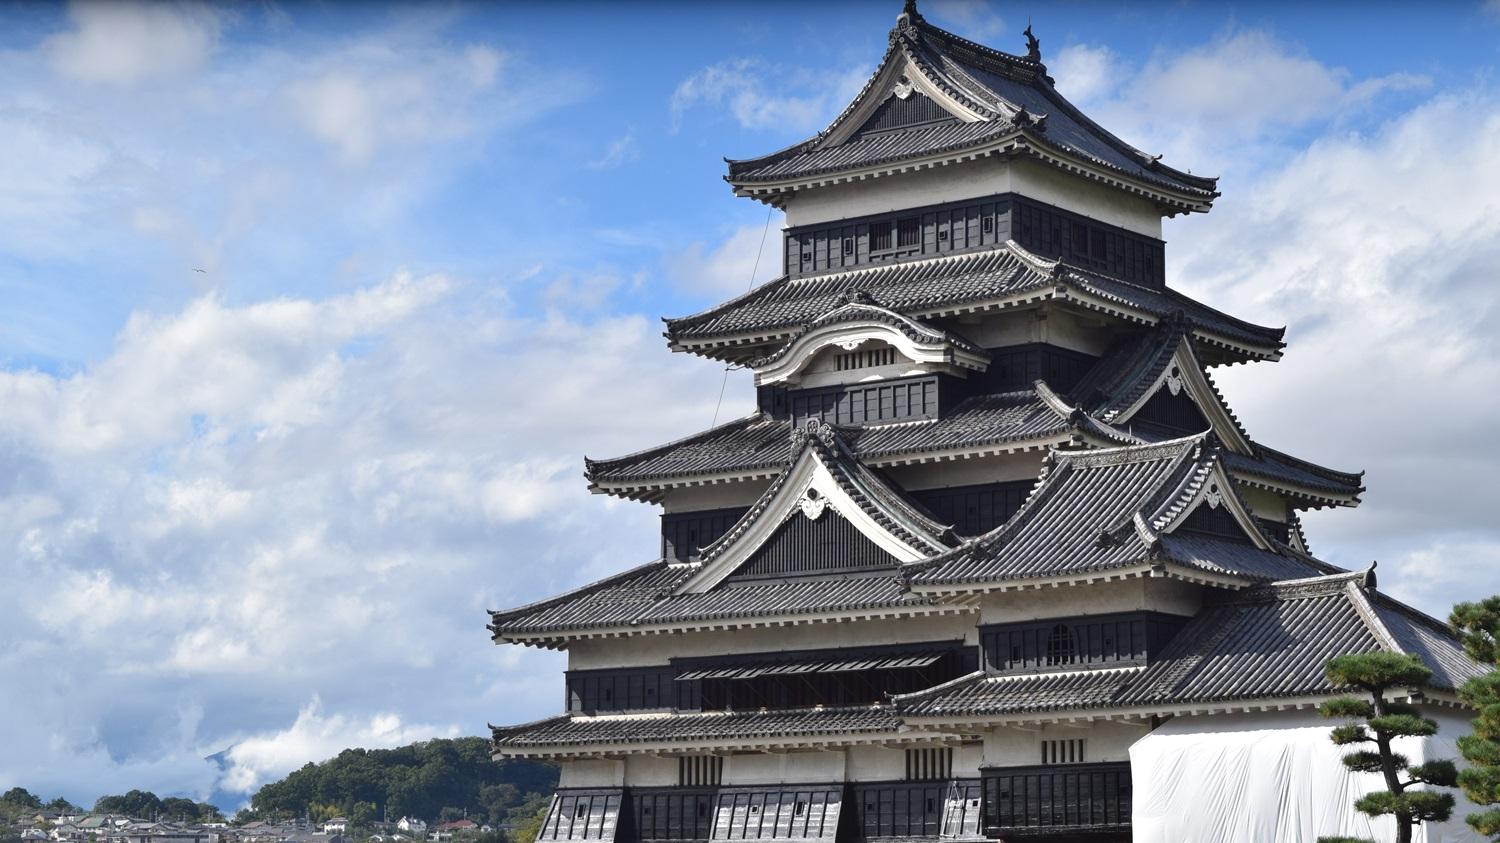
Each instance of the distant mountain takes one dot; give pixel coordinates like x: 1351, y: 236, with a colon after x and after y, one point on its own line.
x: 431, y: 780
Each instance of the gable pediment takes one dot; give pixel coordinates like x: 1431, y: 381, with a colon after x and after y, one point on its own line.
x: 904, y: 107
x: 825, y: 512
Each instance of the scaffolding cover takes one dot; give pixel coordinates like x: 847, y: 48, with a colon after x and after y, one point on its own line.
x: 1271, y: 776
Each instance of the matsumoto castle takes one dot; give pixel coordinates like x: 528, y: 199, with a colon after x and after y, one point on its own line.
x: 993, y: 558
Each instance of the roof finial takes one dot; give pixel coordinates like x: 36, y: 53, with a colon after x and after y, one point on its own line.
x: 909, y: 9
x: 1370, y: 574
x: 1033, y: 46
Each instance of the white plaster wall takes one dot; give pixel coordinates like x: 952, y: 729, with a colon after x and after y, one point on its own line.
x: 1087, y: 333
x: 1265, y: 504
x: 970, y: 180
x: 1103, y: 740
x: 784, y: 768
x: 591, y: 774
x: 650, y: 771
x: 658, y: 649
x: 1139, y: 594
x: 967, y: 759
x: 716, y: 496
x: 996, y: 469
x: 1048, y: 184
x: 875, y: 764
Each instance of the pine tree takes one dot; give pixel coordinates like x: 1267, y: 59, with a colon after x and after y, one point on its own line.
x: 1383, y: 722
x: 1478, y: 625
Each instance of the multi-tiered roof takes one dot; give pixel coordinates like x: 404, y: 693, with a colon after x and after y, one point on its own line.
x: 973, y: 385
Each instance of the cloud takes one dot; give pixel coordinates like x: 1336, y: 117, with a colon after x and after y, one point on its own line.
x: 256, y: 760
x: 245, y: 506
x: 1236, y: 92
x: 750, y: 255
x: 748, y: 90
x: 123, y: 43
x: 1085, y: 73
x: 1380, y: 254
x: 972, y: 18
x: 621, y: 150
x: 368, y: 97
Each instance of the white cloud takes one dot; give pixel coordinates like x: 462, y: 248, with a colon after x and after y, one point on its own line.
x: 1380, y: 252
x: 753, y: 94
x: 1085, y: 73
x: 1231, y: 94
x: 264, y: 501
x: 974, y: 19
x: 369, y: 97
x: 621, y: 150
x: 750, y: 255
x: 262, y: 758
x: 123, y: 43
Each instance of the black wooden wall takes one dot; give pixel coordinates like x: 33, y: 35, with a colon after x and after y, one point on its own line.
x: 973, y: 510
x: 1095, y: 640
x: 1056, y: 799
x: 1172, y: 415
x: 975, y: 224
x: 803, y: 546
x: 683, y: 534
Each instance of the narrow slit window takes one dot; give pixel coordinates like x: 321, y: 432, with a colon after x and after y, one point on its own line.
x: 909, y: 232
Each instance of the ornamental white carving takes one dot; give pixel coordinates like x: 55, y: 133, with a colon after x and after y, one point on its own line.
x: 850, y: 345
x: 903, y: 88
x: 1174, y: 382
x: 813, y: 504
x: 1213, y: 498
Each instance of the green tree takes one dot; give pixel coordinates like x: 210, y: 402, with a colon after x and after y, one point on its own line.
x: 62, y: 806
x: 142, y: 804
x: 21, y: 799
x: 1383, y: 722
x: 528, y: 826
x: 1478, y: 626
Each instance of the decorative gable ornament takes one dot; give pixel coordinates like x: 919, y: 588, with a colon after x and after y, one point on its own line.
x: 903, y: 88
x: 813, y: 504
x: 1174, y: 381
x: 1214, y: 497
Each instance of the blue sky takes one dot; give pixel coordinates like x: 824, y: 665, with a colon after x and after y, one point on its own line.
x: 259, y: 510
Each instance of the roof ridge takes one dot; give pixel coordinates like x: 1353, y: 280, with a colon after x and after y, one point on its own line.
x: 1370, y: 618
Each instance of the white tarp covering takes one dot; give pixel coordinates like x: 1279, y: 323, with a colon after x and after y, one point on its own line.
x: 1269, y: 777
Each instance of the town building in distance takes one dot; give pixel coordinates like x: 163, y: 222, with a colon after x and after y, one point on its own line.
x: 993, y: 558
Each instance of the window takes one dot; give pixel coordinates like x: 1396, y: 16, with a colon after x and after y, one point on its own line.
x: 934, y: 764
x: 1068, y: 751
x: 700, y: 770
x: 1061, y: 649
x: 909, y: 232
x: 865, y: 359
x: 880, y: 236
x: 848, y: 245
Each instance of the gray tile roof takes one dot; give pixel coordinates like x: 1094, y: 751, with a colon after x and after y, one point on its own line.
x: 928, y: 286
x: 643, y: 597
x: 883, y: 504
x: 760, y: 442
x: 1012, y: 94
x: 624, y: 729
x: 1104, y: 509
x: 1268, y: 642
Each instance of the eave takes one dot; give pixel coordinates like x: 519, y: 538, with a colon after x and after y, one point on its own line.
x: 724, y: 347
x: 1019, y: 143
x: 559, y: 640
